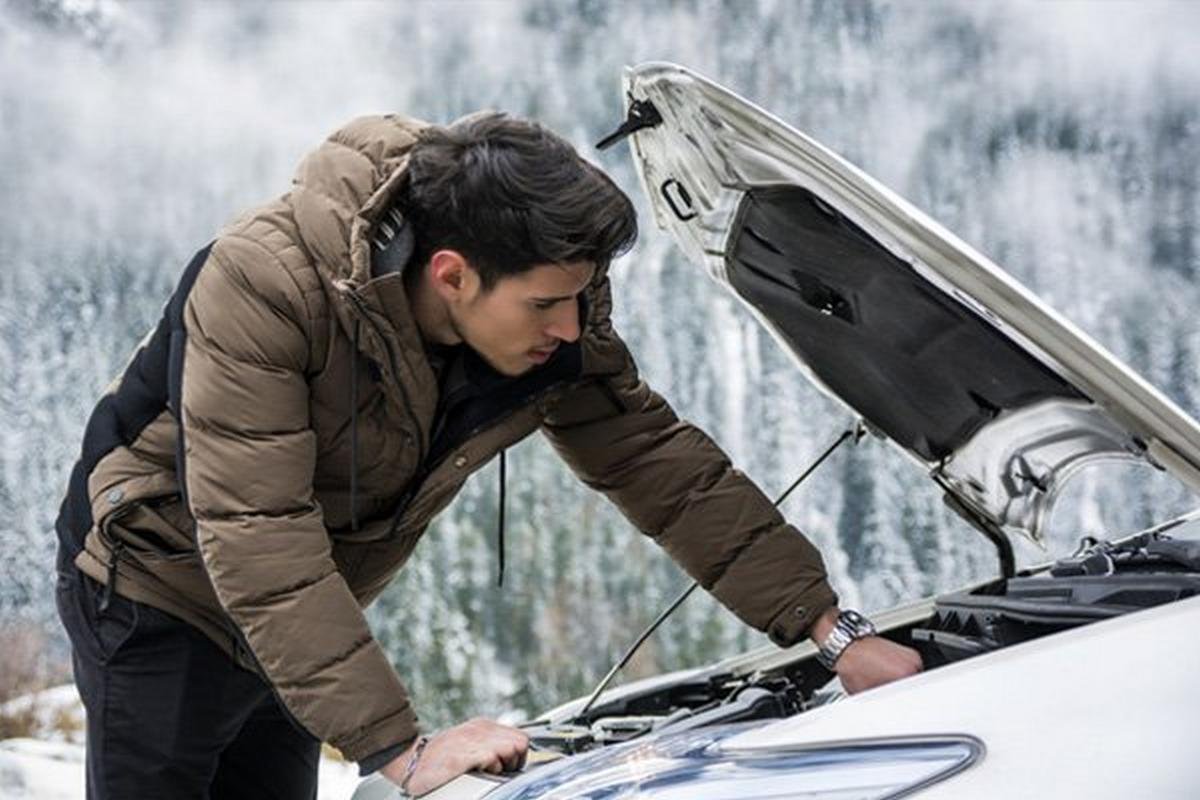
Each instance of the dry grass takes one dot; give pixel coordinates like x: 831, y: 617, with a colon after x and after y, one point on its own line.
x: 68, y: 723
x: 23, y: 665
x: 19, y: 724
x: 26, y: 668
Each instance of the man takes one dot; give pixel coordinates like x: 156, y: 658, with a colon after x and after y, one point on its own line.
x: 324, y: 379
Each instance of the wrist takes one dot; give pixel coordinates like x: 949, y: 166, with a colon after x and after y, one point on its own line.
x: 412, y: 759
x: 386, y: 760
x: 847, y: 628
x: 823, y: 625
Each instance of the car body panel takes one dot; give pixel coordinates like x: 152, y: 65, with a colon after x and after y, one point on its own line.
x: 1109, y: 699
x: 1102, y: 711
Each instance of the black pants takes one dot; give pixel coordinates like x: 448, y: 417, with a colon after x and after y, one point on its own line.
x: 169, y: 715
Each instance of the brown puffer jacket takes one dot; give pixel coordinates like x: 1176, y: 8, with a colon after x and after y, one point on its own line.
x: 293, y: 513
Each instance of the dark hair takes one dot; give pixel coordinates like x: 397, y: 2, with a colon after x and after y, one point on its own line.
x: 509, y: 194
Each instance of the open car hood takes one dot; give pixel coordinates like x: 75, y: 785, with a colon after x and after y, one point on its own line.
x: 932, y: 345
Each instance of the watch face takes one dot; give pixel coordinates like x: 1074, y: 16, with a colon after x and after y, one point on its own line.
x: 859, y: 625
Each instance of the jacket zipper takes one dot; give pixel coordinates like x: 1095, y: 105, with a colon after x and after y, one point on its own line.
x: 106, y: 598
x: 365, y: 314
x: 115, y: 548
x: 418, y: 481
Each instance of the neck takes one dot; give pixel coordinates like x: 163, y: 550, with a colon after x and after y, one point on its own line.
x: 430, y: 313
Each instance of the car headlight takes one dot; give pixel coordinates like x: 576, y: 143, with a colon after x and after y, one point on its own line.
x: 695, y: 766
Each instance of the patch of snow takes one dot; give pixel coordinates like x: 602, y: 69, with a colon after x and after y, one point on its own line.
x: 35, y: 770
x: 336, y: 780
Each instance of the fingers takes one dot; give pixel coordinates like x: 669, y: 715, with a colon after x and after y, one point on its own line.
x: 513, y: 758
x: 498, y: 748
x: 512, y: 754
x: 476, y: 745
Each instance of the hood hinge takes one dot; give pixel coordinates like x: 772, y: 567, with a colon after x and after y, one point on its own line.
x: 642, y: 114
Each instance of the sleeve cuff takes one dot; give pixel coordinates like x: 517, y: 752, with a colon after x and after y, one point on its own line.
x: 793, y: 624
x: 376, y: 761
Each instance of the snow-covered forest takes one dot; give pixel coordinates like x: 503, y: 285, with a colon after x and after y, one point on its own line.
x: 1062, y: 139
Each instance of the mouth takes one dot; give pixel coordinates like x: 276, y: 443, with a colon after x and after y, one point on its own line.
x: 541, y: 355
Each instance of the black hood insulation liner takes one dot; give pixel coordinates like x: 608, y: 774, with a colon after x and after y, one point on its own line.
x: 926, y: 371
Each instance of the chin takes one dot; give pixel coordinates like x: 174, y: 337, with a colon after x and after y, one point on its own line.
x: 511, y: 368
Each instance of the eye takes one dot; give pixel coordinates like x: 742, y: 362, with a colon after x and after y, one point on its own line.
x: 542, y: 305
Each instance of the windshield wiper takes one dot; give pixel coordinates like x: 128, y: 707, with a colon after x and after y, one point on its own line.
x: 857, y: 432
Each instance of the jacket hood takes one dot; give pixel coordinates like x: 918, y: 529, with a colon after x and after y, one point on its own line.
x: 344, y: 186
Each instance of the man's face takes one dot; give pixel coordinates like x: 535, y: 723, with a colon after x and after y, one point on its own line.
x: 518, y: 323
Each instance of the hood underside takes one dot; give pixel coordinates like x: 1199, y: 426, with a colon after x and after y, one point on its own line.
x: 932, y: 345
x: 905, y: 357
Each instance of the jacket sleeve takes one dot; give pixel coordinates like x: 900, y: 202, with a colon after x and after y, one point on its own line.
x: 673, y: 483
x: 249, y: 459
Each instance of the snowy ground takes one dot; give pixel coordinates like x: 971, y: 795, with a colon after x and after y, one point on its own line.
x: 51, y: 767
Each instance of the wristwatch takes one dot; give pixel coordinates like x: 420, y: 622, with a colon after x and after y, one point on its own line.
x: 850, y: 626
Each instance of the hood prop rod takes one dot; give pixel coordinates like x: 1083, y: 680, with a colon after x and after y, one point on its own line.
x: 1003, y: 545
x: 858, y: 431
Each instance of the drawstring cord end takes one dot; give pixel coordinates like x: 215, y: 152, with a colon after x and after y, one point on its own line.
x: 111, y: 583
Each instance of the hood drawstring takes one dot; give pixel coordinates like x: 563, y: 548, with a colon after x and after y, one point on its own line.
x: 500, y: 521
x: 354, y: 433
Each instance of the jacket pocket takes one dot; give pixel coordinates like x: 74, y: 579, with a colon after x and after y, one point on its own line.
x: 154, y: 528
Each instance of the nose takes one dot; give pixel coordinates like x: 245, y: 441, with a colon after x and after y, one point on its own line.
x: 564, y: 324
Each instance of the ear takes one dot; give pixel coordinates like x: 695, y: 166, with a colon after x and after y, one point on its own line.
x: 452, y: 276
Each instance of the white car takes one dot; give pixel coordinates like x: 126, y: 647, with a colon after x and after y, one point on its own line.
x: 1076, y: 678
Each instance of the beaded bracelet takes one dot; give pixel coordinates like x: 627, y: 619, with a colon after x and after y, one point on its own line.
x: 418, y: 749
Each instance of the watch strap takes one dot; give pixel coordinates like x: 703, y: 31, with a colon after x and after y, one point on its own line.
x: 849, y: 627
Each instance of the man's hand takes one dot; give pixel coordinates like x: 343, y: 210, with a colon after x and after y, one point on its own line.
x: 868, y: 662
x: 874, y: 661
x: 476, y: 745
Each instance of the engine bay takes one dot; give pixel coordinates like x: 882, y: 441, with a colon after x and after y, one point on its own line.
x: 1101, y: 580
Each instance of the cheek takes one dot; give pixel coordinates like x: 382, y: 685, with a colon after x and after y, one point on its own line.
x: 507, y: 329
